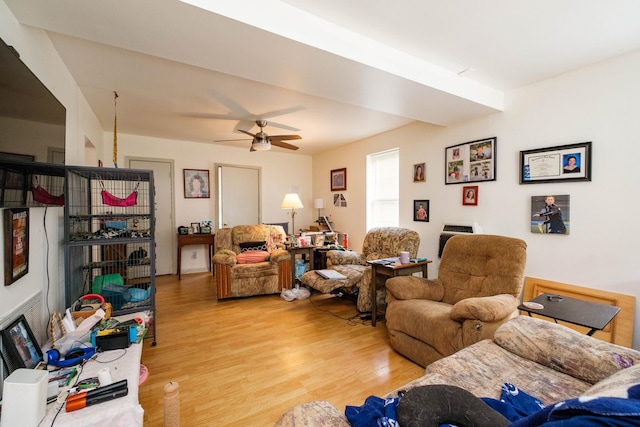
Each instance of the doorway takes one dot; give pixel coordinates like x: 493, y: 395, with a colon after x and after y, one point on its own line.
x: 239, y: 196
x: 165, y: 231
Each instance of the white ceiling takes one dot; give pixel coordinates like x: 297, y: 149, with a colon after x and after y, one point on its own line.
x: 333, y: 71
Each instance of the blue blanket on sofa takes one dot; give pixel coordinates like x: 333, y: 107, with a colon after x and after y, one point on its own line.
x: 524, y: 410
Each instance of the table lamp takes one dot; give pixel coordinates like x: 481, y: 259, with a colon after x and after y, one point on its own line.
x: 292, y: 201
x: 318, y: 204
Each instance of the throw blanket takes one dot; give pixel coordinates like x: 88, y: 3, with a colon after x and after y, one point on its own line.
x: 376, y: 412
x: 524, y: 410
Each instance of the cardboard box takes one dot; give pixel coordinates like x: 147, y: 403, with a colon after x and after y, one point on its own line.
x: 79, y: 316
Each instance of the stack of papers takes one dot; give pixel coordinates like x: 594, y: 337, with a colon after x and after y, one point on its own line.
x: 331, y: 274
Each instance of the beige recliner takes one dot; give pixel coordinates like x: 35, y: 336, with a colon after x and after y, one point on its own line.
x: 478, y: 287
x: 268, y: 275
x: 379, y: 242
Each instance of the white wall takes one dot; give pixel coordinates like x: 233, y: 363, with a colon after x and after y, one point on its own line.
x: 45, y: 242
x: 282, y: 172
x: 598, y: 103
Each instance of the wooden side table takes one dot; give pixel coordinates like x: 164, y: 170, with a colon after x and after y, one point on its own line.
x: 307, y: 255
x: 381, y: 272
x: 195, y: 239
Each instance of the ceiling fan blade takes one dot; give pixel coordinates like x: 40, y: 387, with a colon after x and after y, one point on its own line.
x: 282, y: 126
x: 285, y: 137
x: 281, y: 144
x: 231, y: 140
x: 247, y: 132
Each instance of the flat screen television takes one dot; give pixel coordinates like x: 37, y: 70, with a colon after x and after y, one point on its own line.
x: 32, y: 120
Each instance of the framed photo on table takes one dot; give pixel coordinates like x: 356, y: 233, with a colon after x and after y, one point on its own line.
x: 339, y: 179
x: 196, y: 184
x: 473, y: 161
x: 21, y: 344
x: 556, y: 164
x: 16, y: 244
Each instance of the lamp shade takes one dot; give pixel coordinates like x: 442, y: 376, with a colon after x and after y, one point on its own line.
x: 261, y: 144
x: 291, y: 201
x: 318, y: 203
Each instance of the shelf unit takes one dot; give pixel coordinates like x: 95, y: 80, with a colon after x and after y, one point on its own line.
x: 109, y: 238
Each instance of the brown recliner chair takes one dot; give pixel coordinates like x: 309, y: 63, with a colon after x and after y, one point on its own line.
x: 379, y: 242
x: 478, y: 287
x: 268, y: 275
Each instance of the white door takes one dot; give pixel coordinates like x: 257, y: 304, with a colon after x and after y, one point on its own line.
x: 238, y: 195
x: 165, y: 229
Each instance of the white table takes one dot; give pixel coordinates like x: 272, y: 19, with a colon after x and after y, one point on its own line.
x: 121, y: 412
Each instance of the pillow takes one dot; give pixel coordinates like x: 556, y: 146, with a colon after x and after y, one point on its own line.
x: 252, y: 257
x: 253, y: 246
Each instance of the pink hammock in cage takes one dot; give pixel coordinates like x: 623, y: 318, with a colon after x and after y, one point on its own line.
x: 111, y: 200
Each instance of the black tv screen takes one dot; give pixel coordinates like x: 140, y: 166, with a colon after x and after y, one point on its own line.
x: 32, y: 120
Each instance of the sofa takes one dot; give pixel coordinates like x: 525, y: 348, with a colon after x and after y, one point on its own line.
x: 379, y: 242
x: 480, y: 279
x: 251, y: 260
x: 546, y: 360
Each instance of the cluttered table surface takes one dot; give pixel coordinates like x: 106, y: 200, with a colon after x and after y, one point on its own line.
x: 118, y: 364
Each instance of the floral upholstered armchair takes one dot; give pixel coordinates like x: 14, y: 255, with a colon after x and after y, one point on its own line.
x: 380, y: 242
x: 251, y: 260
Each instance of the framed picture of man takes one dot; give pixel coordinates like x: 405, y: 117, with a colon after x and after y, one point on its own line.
x: 196, y: 184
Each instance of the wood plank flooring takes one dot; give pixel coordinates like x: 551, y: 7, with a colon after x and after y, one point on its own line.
x: 243, y: 362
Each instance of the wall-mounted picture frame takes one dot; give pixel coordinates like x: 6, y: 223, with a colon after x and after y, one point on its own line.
x: 196, y: 184
x: 551, y: 214
x: 21, y: 344
x: 339, y: 179
x: 419, y: 172
x: 421, y: 210
x: 562, y: 163
x: 16, y: 244
x: 470, y: 195
x: 473, y: 161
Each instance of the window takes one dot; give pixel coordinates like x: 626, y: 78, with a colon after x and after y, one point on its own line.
x: 383, y: 189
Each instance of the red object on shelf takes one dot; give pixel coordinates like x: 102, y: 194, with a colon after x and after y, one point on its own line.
x: 345, y: 241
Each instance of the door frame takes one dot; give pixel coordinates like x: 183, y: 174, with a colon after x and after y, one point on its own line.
x: 174, y: 238
x: 218, y: 206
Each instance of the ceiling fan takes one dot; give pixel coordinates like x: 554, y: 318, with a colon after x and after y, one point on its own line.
x: 262, y: 141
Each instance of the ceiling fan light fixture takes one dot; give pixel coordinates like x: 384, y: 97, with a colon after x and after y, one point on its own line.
x: 261, y: 144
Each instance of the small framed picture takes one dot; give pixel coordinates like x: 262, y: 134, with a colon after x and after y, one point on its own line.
x: 419, y: 172
x: 21, y: 344
x: 421, y: 210
x: 195, y: 226
x: 550, y: 214
x: 339, y: 179
x: 196, y: 184
x: 16, y: 244
x: 470, y: 195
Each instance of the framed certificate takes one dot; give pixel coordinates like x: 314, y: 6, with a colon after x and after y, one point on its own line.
x: 555, y: 164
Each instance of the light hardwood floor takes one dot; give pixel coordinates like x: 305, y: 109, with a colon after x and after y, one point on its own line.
x: 243, y: 362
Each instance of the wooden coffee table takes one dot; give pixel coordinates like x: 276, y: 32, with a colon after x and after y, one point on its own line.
x: 381, y: 272
x: 589, y: 314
